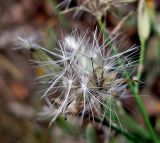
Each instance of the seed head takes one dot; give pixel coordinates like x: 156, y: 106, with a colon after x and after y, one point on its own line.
x: 84, y: 76
x: 97, y: 8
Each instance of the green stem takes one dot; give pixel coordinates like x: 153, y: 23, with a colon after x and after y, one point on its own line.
x: 136, y: 93
x: 141, y: 108
x: 100, y: 24
x: 133, y: 88
x: 61, y: 19
x: 141, y: 63
x: 127, y: 134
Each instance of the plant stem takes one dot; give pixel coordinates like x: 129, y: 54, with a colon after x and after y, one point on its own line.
x: 100, y: 25
x: 133, y: 88
x: 127, y: 134
x: 136, y: 93
x: 141, y: 108
x: 56, y: 10
x: 140, y: 65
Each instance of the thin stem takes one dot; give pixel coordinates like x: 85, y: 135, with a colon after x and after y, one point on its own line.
x: 100, y: 25
x: 141, y: 108
x: 136, y: 93
x: 133, y: 88
x: 129, y: 135
x: 140, y: 65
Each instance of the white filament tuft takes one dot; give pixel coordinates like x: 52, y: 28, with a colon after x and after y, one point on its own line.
x: 84, y: 76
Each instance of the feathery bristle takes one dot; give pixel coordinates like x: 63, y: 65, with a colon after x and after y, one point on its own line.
x: 88, y: 76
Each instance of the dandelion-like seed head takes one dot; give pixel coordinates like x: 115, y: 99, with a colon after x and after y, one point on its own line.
x: 83, y: 76
x: 97, y: 8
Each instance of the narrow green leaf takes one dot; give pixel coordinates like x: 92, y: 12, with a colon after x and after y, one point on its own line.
x: 91, y: 134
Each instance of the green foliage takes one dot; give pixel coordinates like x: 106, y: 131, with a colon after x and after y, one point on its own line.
x: 91, y: 134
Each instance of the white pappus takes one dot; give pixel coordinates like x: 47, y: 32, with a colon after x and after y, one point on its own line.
x: 82, y: 78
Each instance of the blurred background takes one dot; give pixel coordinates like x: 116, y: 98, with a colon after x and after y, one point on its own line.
x: 40, y: 21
